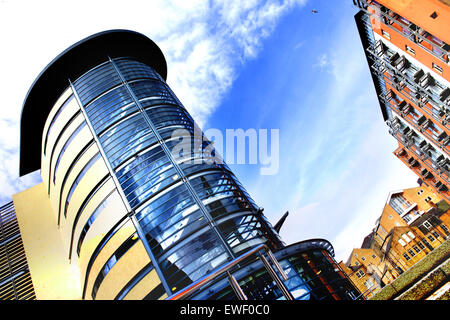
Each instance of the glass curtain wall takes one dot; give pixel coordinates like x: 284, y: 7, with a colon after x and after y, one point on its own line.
x: 194, y: 213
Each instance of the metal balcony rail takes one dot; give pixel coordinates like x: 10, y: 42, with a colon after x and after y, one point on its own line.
x: 440, y: 115
x: 425, y: 89
x: 408, y: 141
x: 442, y: 139
x: 413, y: 35
x: 419, y: 88
x: 202, y: 282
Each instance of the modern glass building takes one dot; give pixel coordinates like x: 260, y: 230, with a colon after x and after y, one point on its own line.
x: 124, y: 213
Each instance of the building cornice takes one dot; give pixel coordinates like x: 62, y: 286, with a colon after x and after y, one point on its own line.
x: 71, y: 64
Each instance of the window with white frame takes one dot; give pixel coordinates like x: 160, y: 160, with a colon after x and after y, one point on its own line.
x: 368, y: 283
x: 427, y: 225
x: 437, y: 68
x: 407, y: 239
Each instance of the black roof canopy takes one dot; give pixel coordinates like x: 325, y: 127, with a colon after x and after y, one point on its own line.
x: 71, y: 64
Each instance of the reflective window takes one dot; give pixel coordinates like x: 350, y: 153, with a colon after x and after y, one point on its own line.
x: 95, y: 82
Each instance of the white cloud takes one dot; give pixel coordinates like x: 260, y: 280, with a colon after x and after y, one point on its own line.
x: 341, y: 170
x: 322, y: 61
x: 204, y: 42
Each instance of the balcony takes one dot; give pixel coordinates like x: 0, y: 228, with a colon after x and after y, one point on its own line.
x: 422, y: 87
x: 399, y: 24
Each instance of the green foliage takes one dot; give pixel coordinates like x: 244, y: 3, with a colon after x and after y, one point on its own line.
x: 443, y: 205
x: 426, y: 286
x: 417, y: 272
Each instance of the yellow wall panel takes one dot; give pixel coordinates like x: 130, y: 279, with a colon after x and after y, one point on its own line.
x: 121, y: 273
x: 91, y: 206
x: 58, y: 125
x: 84, y: 137
x: 87, y: 183
x: 110, y: 247
x: 52, y: 275
x: 55, y: 193
x: 62, y: 98
x: 143, y: 287
x: 66, y: 135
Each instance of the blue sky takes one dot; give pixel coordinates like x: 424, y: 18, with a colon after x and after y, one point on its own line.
x: 235, y: 64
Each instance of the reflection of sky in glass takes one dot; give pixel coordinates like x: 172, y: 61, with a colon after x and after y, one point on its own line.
x: 299, y: 289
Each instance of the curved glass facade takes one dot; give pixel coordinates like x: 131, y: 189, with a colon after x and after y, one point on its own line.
x: 311, y: 270
x: 194, y: 214
x: 144, y: 205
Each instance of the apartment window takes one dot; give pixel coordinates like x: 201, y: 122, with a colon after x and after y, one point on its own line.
x: 403, y: 243
x: 426, y: 242
x: 435, y: 234
x: 420, y: 244
x: 411, y: 235
x: 369, y: 283
x: 444, y: 227
x: 427, y: 225
x: 437, y: 68
x: 399, y: 204
x: 416, y: 249
x: 363, y: 259
x: 407, y: 239
x: 374, y: 256
x: 406, y: 256
x: 410, y: 50
x: 431, y: 238
x: 411, y: 253
x: 360, y: 274
x: 385, y: 34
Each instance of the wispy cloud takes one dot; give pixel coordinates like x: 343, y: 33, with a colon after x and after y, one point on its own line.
x: 322, y: 61
x: 337, y: 165
x: 205, y: 44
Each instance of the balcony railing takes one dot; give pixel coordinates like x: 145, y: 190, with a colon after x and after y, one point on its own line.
x: 440, y: 49
x: 420, y: 84
x: 225, y: 269
x: 406, y: 138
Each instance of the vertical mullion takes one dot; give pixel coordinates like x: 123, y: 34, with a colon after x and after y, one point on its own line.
x: 180, y: 172
x: 120, y: 191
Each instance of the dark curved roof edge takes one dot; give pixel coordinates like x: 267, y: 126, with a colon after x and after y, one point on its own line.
x: 71, y: 64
